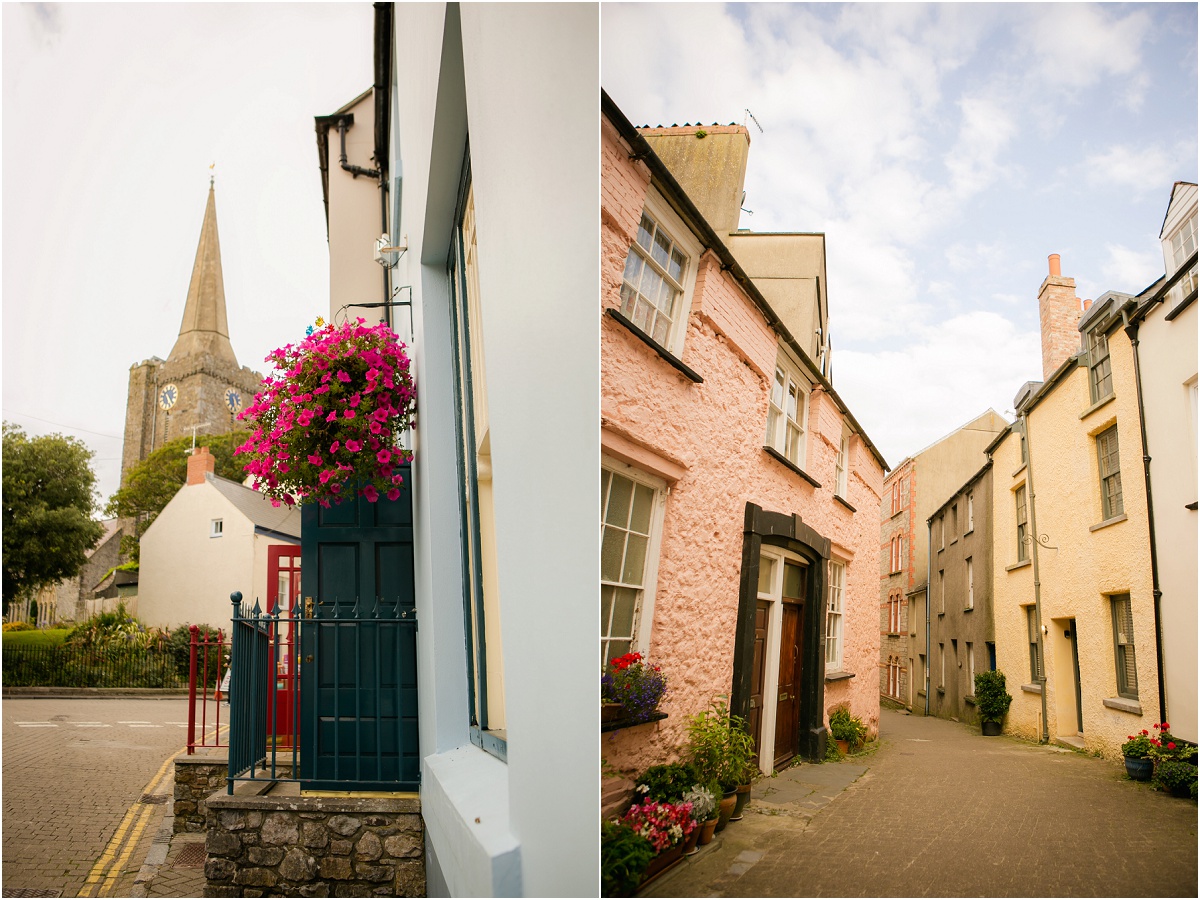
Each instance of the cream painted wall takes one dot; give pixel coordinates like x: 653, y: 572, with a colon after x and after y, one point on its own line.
x: 354, y: 218
x: 1168, y: 364
x: 1079, y: 567
x: 186, y: 576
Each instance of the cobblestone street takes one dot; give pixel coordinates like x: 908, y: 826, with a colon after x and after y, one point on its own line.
x: 73, y: 769
x: 942, y: 811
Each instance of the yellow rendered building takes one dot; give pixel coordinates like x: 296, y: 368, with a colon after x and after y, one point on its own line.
x: 1073, y: 595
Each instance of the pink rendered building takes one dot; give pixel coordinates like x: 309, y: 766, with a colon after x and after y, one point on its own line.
x: 740, y: 498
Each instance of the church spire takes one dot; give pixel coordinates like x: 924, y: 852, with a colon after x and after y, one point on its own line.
x: 205, y: 330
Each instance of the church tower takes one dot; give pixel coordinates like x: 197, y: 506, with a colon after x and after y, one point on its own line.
x: 200, y: 384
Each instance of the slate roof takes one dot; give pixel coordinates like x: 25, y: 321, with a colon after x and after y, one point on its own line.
x: 257, y: 508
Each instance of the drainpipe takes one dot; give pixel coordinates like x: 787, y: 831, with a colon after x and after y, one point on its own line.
x: 1131, y: 329
x: 1037, y: 583
x: 928, y: 576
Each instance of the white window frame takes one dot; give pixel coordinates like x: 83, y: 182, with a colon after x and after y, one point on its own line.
x: 970, y: 583
x: 643, y: 617
x: 942, y: 656
x: 835, y: 616
x: 1100, y: 379
x: 1179, y: 241
x: 1112, y: 498
x: 896, y: 496
x: 841, y: 465
x: 970, y: 668
x: 216, y: 528
x: 779, y: 422
x: 970, y: 512
x: 1021, y: 507
x: 667, y: 221
x: 942, y: 591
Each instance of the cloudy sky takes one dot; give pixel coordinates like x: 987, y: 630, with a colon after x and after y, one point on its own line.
x: 112, y: 116
x: 945, y: 151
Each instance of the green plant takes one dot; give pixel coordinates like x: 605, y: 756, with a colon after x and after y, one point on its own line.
x: 991, y: 698
x: 666, y: 782
x: 17, y: 626
x: 1175, y: 776
x: 624, y: 855
x: 845, y: 727
x: 704, y: 802
x: 719, y: 745
x: 634, y: 683
x: 832, y: 753
x: 1138, y: 746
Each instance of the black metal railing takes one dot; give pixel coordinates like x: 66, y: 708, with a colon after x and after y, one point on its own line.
x: 67, y: 666
x: 356, y: 727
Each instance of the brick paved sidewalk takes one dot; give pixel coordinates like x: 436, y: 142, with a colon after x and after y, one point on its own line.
x: 943, y: 811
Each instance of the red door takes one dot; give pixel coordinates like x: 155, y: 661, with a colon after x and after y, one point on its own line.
x: 283, y: 589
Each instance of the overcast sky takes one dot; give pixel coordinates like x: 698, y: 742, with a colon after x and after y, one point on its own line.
x: 112, y: 115
x: 945, y: 151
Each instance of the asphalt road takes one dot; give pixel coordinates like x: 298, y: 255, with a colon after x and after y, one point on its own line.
x: 73, y: 770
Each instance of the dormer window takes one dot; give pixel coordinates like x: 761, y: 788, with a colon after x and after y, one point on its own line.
x: 1099, y: 365
x: 1183, y: 245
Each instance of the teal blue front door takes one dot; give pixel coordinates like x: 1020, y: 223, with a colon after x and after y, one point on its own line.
x: 358, y: 676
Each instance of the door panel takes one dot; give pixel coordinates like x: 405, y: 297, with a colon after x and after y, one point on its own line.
x: 787, y: 713
x: 758, y: 673
x: 359, y: 679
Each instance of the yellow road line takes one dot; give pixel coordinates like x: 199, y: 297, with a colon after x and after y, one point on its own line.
x: 118, y: 867
x: 114, y: 843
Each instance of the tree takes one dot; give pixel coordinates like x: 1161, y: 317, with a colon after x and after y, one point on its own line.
x: 150, y: 485
x: 48, y: 502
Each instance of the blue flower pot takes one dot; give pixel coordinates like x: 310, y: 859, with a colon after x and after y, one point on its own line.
x: 1138, y: 768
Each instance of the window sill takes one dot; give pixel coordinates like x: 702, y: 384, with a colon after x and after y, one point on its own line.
x: 920, y: 693
x: 625, y: 723
x: 1018, y: 565
x: 846, y: 504
x: 968, y: 609
x: 969, y: 698
x: 1113, y: 521
x: 941, y: 691
x: 1031, y: 688
x: 1124, y: 705
x: 771, y: 451
x: 896, y: 513
x: 1097, y: 405
x: 1191, y: 506
x: 1019, y: 470
x: 838, y: 676
x: 491, y: 742
x: 658, y: 348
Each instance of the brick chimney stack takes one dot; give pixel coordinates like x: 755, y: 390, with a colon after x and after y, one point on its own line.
x: 1059, y: 310
x: 200, y: 463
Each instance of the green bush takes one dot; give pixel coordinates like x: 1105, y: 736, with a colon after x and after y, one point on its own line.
x: 624, y: 856
x: 1175, y: 776
x: 666, y: 782
x: 992, y: 699
x: 17, y: 626
x: 720, y: 747
x: 845, y: 727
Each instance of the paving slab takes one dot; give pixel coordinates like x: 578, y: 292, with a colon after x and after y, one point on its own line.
x: 939, y: 810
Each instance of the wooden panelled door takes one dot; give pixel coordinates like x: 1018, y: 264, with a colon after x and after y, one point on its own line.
x: 791, y: 664
x: 758, y: 674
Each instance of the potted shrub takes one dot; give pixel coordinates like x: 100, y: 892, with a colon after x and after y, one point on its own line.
x: 992, y: 700
x: 721, y: 751
x: 742, y: 747
x: 1174, y: 771
x: 624, y: 856
x: 1139, y: 764
x: 665, y: 782
x: 635, y: 684
x: 849, y: 731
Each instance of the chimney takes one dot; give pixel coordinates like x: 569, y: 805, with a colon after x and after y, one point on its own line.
x: 709, y: 162
x: 200, y: 463
x: 1059, y: 311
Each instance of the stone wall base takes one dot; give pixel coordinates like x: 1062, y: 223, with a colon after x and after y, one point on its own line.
x: 283, y: 844
x: 197, y: 777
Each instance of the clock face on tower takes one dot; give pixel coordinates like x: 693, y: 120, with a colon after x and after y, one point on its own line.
x: 167, y: 397
x: 233, y: 401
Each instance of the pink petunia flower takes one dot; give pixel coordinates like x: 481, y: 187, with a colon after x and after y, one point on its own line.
x: 353, y: 446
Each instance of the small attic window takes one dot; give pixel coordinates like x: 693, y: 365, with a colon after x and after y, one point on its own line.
x: 218, y: 528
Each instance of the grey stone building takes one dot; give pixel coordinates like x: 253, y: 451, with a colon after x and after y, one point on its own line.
x: 961, y: 634
x: 200, y: 384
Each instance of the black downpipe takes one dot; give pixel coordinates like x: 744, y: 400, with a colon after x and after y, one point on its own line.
x: 383, y: 107
x: 1131, y: 329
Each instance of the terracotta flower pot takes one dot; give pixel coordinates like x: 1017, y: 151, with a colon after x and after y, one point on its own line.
x: 611, y: 712
x: 707, y: 829
x: 843, y: 746
x: 661, y: 863
x: 1139, y: 768
x: 728, y: 802
x: 691, y: 842
x: 743, y: 797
